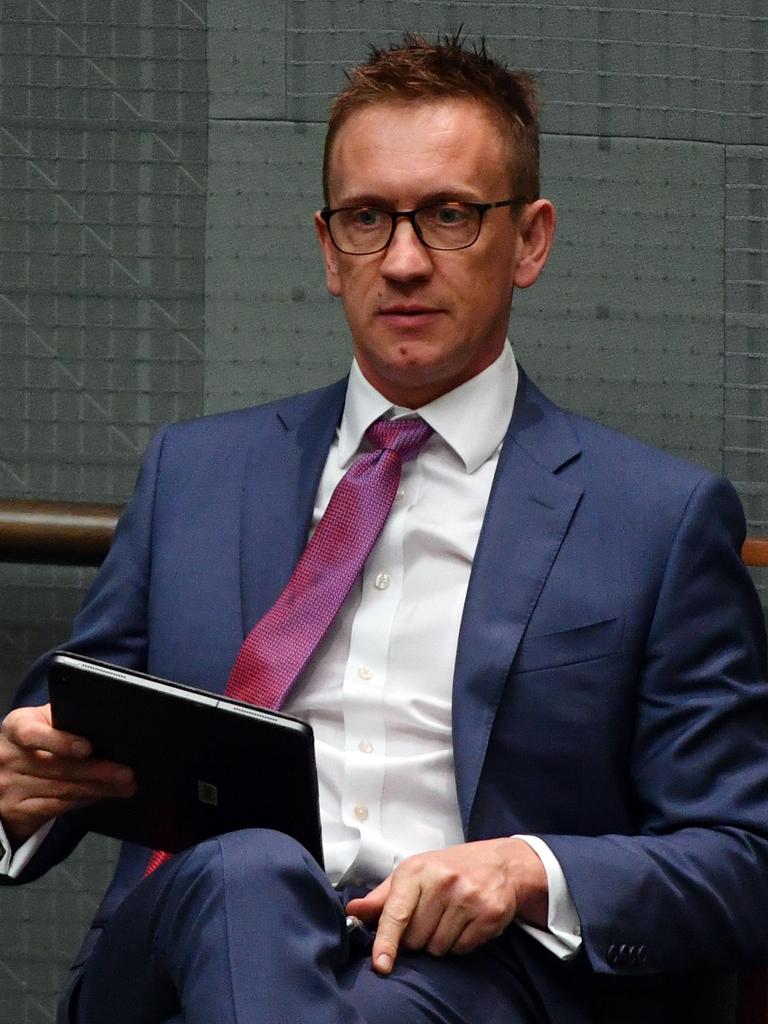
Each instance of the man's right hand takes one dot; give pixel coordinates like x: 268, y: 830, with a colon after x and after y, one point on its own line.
x: 45, y: 772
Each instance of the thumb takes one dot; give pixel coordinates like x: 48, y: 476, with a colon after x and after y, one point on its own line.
x: 369, y: 907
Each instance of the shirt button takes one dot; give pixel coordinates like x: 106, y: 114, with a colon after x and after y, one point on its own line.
x: 382, y: 580
x: 400, y: 494
x: 361, y: 812
x: 366, y: 747
x: 364, y: 672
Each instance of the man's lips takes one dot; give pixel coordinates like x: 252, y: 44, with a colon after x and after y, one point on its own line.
x: 408, y: 315
x: 407, y: 309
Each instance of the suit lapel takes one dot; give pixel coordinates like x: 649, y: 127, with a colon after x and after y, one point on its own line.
x: 528, y: 515
x: 282, y: 476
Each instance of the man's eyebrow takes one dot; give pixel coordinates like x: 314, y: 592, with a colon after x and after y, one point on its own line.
x: 447, y: 195
x: 443, y: 195
x: 364, y: 199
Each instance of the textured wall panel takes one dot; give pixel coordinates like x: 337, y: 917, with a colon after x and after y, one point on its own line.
x: 37, y: 604
x: 43, y: 926
x: 246, y: 59
x: 102, y: 209
x: 746, y: 332
x: 626, y: 324
x: 100, y: 301
x: 271, y: 328
x: 649, y: 69
x: 102, y: 205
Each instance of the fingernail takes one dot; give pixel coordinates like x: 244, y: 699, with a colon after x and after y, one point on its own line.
x: 125, y: 776
x: 80, y: 748
x: 384, y: 962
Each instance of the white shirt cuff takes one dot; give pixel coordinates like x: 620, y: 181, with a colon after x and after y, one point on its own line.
x: 563, y: 933
x: 12, y: 864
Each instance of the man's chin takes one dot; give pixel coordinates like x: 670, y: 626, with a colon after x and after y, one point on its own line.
x: 411, y: 381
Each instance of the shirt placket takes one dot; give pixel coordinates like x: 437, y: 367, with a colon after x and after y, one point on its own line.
x: 365, y: 686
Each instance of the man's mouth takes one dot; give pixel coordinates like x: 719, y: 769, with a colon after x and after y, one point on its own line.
x: 408, y: 314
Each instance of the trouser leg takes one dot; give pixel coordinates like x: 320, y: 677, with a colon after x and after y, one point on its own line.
x: 246, y: 929
x: 241, y: 929
x: 474, y: 989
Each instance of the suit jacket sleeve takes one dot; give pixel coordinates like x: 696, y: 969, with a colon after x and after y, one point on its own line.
x: 691, y: 889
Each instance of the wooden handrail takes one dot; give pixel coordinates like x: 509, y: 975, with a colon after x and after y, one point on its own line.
x: 75, y: 533
x: 56, y: 532
x: 755, y: 551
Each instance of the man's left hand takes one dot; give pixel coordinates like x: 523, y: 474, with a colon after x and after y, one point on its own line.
x: 452, y: 900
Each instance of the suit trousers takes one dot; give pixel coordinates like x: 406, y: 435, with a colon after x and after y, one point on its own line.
x: 246, y: 929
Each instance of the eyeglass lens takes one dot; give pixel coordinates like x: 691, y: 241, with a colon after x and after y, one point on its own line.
x: 441, y: 225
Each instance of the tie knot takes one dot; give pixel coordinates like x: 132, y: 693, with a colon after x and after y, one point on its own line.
x: 406, y: 436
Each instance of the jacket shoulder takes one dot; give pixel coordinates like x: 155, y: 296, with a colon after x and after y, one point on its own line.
x: 603, y: 450
x: 219, y: 428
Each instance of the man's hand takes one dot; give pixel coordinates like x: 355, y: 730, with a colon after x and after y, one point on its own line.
x: 45, y: 772
x: 452, y: 900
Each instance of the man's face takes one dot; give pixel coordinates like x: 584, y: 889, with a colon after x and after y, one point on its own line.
x: 424, y: 321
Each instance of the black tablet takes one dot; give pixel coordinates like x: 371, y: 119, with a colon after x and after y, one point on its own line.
x: 204, y: 764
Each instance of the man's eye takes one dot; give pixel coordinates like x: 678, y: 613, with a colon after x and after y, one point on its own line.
x: 447, y: 215
x: 366, y: 217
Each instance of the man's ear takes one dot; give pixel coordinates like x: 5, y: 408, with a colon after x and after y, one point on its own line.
x: 330, y: 253
x: 536, y: 232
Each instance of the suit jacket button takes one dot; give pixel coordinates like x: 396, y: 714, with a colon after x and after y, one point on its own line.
x: 612, y: 956
x: 625, y: 953
x: 642, y: 954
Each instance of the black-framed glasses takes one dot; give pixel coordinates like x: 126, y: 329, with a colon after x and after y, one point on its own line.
x: 362, y: 230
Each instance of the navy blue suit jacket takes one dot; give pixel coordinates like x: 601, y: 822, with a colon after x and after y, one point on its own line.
x: 609, y: 690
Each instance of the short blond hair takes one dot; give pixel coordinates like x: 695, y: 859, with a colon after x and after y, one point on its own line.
x: 416, y: 69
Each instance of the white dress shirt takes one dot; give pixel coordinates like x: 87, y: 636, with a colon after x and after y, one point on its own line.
x: 377, y: 692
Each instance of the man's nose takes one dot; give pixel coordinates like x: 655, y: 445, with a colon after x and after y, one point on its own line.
x: 406, y: 257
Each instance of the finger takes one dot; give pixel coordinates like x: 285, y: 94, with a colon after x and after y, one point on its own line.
x: 30, y: 802
x: 472, y: 936
x: 425, y: 920
x: 477, y: 930
x: 38, y: 811
x: 107, y: 776
x: 31, y: 729
x: 368, y: 908
x: 395, y: 917
x: 434, y: 927
x: 22, y: 789
x: 66, y: 795
x: 449, y: 928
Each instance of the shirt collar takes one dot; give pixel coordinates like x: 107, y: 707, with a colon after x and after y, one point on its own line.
x: 472, y: 419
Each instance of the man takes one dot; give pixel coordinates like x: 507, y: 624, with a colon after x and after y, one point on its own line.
x: 540, y: 710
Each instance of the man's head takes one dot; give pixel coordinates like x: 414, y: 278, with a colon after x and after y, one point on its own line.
x: 427, y: 295
x: 418, y: 71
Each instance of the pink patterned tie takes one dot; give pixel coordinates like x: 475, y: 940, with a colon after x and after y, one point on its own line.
x: 279, y: 646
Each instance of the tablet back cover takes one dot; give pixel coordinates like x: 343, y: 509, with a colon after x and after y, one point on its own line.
x: 204, y: 765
